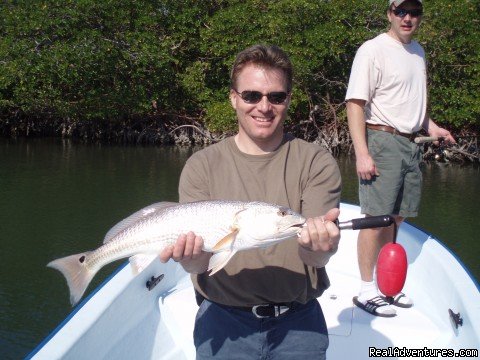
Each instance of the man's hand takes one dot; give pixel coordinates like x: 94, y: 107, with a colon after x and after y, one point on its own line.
x: 445, y: 134
x: 366, y: 168
x: 319, y: 239
x: 435, y: 131
x: 188, y: 251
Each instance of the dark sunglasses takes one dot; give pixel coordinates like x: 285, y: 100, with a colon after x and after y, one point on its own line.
x: 403, y: 12
x: 254, y: 97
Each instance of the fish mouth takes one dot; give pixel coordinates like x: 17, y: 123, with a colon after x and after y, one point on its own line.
x: 299, y: 226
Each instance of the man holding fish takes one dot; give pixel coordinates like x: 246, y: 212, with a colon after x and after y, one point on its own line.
x: 262, y: 303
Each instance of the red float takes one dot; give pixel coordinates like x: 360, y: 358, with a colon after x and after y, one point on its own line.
x: 391, y: 269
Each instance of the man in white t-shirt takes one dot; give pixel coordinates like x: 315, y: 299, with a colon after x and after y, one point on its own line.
x: 386, y: 106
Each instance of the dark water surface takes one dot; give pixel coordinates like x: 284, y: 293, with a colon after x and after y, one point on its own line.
x: 58, y: 198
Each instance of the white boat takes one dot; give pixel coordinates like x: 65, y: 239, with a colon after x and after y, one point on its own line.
x: 124, y: 319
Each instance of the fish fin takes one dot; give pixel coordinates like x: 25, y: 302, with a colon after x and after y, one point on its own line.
x: 235, y: 218
x: 140, y: 214
x: 219, y: 260
x: 76, y: 273
x: 139, y: 262
x: 225, y: 243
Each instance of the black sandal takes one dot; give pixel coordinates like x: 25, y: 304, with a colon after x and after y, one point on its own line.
x: 372, y: 305
x: 395, y: 300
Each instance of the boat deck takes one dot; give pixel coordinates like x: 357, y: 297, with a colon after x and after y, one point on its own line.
x: 411, y: 328
x: 351, y: 330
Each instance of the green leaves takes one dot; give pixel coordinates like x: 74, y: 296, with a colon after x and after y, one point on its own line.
x: 109, y: 60
x: 451, y: 37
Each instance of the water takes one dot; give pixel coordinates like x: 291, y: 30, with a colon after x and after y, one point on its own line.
x: 59, y: 198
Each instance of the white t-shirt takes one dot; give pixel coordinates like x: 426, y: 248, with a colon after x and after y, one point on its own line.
x: 391, y: 77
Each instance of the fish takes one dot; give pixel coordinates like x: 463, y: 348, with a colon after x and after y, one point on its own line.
x: 225, y: 226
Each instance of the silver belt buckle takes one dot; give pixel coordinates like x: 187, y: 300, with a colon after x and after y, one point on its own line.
x: 279, y: 310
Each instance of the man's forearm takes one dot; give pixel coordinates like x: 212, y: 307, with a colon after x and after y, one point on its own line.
x: 357, y: 126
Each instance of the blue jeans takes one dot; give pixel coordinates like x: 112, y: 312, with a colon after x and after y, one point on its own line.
x: 227, y: 333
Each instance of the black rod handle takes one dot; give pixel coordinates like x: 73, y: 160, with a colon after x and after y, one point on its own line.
x: 367, y: 222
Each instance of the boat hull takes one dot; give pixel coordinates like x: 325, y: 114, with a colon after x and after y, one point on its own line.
x: 123, y: 319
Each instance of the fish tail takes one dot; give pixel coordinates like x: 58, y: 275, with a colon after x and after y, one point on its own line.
x: 78, y: 276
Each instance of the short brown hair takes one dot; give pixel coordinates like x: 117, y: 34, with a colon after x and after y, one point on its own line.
x: 271, y: 57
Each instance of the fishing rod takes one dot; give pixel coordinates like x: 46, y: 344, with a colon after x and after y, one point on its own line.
x: 425, y: 139
x: 366, y: 222
x: 441, y: 152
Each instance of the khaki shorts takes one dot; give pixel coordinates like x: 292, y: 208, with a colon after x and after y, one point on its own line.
x: 398, y: 188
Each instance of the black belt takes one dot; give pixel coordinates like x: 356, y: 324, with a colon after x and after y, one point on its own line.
x: 268, y: 310
x: 391, y: 130
x: 260, y: 311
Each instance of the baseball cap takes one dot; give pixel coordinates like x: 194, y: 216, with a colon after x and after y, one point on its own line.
x: 399, y: 2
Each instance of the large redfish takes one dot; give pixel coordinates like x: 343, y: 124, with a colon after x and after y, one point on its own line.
x: 225, y: 226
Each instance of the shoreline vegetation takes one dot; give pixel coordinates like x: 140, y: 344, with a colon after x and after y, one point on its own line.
x: 159, y: 131
x: 136, y: 72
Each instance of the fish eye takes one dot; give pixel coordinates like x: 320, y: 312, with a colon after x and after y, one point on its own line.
x: 282, y: 212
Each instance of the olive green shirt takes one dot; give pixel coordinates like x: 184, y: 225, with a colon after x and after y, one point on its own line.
x: 300, y: 175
